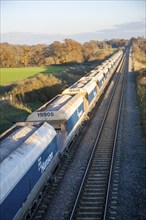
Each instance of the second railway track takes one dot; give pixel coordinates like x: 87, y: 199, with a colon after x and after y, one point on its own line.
x: 92, y: 198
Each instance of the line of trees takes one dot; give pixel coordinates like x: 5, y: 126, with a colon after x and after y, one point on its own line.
x: 139, y: 49
x: 55, y: 53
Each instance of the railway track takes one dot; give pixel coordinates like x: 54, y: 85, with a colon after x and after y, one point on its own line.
x: 43, y: 201
x: 93, y: 196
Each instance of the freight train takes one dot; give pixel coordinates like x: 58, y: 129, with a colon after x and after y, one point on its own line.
x: 31, y: 150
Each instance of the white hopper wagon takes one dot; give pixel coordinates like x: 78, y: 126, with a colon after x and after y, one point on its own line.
x: 86, y: 88
x: 105, y: 71
x: 28, y: 155
x: 65, y: 113
x: 98, y: 78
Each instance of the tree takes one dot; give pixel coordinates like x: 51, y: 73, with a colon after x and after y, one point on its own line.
x: 90, y: 50
x: 7, y: 56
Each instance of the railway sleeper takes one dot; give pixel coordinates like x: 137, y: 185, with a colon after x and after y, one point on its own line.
x: 88, y: 218
x: 90, y: 207
x: 90, y: 196
x: 91, y: 203
x: 95, y: 190
x: 89, y: 214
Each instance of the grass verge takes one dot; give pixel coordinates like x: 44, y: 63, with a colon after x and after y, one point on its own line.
x: 140, y: 70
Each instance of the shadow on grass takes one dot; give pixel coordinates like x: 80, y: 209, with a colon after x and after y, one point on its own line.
x: 38, y: 97
x: 73, y: 71
x: 6, y: 88
x: 54, y: 68
x: 9, y: 115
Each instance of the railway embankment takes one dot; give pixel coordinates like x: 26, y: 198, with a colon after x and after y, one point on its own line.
x: 131, y: 144
x: 139, y: 67
x: 141, y: 92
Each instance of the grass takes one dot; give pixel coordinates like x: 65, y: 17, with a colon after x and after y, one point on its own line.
x: 12, y: 75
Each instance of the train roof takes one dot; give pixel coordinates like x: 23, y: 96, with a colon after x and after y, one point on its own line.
x: 99, y: 76
x: 57, y: 103
x: 83, y: 86
x: 59, y: 109
x: 81, y: 83
x: 109, y: 65
x: 93, y: 71
x: 18, y: 162
x: 91, y: 74
x: 105, y: 69
x: 14, y: 140
x: 111, y: 60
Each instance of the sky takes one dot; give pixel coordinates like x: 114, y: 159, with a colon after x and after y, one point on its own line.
x: 33, y: 22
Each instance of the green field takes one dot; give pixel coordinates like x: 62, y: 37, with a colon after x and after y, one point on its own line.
x: 11, y: 75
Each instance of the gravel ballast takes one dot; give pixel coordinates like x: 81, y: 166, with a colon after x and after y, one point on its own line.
x: 132, y: 176
x: 132, y: 181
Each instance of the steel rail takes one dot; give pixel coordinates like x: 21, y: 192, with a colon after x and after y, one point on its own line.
x: 97, y: 139
x: 114, y: 146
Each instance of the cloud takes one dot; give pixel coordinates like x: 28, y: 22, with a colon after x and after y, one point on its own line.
x: 125, y: 30
x: 130, y: 28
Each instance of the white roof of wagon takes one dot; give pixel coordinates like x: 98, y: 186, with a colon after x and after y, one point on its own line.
x: 16, y: 164
x: 58, y: 102
x: 99, y: 76
x: 59, y: 109
x: 83, y: 85
x: 14, y: 140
